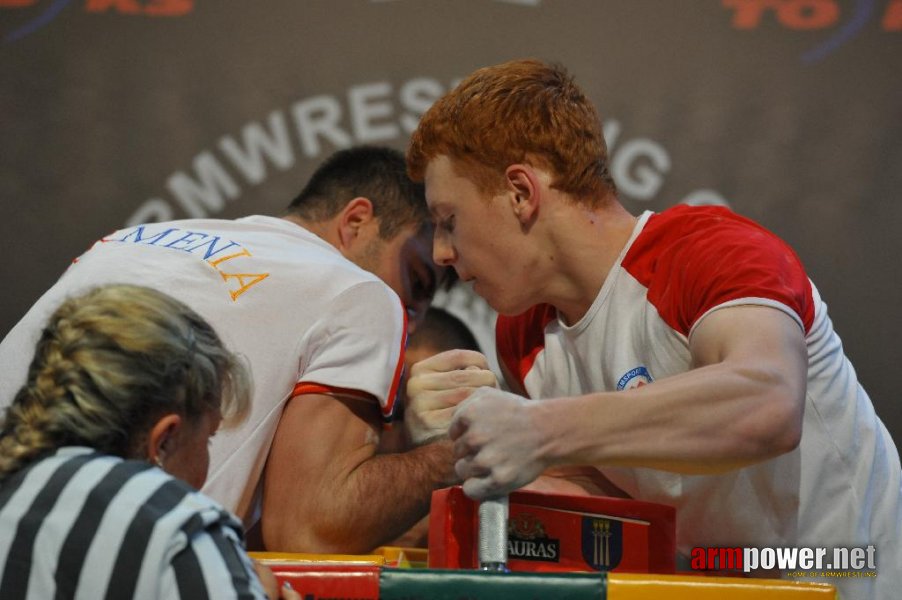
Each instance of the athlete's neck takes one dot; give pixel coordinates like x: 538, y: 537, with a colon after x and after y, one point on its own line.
x: 586, y: 244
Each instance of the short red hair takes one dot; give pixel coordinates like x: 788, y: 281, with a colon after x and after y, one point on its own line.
x: 514, y: 112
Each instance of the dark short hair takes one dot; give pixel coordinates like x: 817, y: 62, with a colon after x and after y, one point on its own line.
x: 376, y: 173
x: 443, y: 331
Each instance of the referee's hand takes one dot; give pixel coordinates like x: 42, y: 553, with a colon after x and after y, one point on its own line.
x: 271, y: 584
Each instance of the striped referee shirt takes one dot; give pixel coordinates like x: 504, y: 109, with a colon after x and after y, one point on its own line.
x: 79, y: 524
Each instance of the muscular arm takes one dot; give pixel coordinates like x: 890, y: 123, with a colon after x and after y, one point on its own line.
x: 742, y: 402
x: 327, y: 490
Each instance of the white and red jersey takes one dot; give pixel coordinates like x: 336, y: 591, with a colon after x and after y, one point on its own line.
x: 840, y: 487
x: 304, y: 318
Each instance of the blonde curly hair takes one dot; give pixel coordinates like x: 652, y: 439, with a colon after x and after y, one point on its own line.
x: 110, y: 363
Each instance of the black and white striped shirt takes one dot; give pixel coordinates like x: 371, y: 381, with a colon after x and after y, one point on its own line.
x: 79, y: 524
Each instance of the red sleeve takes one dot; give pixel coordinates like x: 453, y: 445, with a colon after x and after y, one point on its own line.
x: 519, y: 339
x: 692, y: 259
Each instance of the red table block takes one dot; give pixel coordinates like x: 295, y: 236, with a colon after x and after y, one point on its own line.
x: 553, y: 532
x: 360, y: 582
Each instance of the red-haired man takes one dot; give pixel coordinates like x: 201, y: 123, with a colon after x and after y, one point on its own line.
x: 684, y: 354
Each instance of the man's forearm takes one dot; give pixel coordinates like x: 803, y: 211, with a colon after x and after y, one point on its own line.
x: 397, y: 488
x: 742, y: 403
x: 708, y: 420
x: 375, y: 502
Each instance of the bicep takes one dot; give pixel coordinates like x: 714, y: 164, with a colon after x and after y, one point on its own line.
x: 758, y: 341
x: 320, y: 439
x: 319, y: 430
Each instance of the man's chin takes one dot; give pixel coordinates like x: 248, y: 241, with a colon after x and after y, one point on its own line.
x: 480, y: 291
x: 499, y: 303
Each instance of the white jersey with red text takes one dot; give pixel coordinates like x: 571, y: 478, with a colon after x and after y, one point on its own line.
x: 840, y: 487
x: 304, y: 318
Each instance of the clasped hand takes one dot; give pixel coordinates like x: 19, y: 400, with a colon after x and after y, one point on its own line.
x: 497, y: 443
x: 436, y: 386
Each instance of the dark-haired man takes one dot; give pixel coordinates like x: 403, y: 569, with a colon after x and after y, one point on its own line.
x: 304, y: 299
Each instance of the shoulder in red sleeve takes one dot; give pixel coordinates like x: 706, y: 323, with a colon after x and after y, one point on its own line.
x: 693, y: 259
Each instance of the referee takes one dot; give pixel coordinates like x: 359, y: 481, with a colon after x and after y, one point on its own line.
x: 101, y: 452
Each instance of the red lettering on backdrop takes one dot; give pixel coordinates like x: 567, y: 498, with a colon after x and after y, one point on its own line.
x: 808, y: 14
x: 169, y: 8
x: 152, y: 8
x: 748, y: 13
x: 128, y: 7
x: 792, y: 14
x: 892, y: 18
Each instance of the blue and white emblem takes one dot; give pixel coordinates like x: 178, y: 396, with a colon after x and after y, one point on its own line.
x: 634, y: 378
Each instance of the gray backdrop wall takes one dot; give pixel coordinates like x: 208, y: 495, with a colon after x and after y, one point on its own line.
x: 789, y: 111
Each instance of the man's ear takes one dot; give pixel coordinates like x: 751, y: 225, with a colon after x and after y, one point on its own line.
x: 525, y: 191
x: 354, y: 217
x: 161, y: 439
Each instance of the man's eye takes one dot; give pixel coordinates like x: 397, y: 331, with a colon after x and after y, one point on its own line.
x: 447, y: 224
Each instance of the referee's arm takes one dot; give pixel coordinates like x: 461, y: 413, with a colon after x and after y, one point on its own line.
x: 213, y: 566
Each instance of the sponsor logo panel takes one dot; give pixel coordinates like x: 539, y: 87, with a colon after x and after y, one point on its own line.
x: 548, y: 539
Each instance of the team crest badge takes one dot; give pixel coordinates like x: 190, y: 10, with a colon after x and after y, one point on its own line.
x: 634, y: 378
x: 602, y: 543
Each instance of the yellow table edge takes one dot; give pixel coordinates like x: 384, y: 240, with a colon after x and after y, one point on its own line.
x: 642, y: 586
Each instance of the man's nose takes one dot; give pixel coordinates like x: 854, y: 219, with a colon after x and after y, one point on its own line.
x: 443, y: 252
